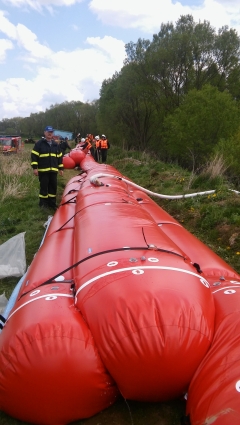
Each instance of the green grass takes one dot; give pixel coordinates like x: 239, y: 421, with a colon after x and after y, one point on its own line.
x: 215, y: 219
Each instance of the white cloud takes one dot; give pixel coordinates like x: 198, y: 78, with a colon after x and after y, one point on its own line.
x: 75, y: 27
x: 6, y: 27
x: 229, y: 3
x: 148, y: 15
x: 28, y: 41
x: 4, y: 46
x: 24, y: 37
x: 113, y: 49
x: 218, y: 15
x: 39, y: 4
x: 65, y: 76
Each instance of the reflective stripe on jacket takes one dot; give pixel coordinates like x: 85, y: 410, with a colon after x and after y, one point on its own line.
x: 46, y: 157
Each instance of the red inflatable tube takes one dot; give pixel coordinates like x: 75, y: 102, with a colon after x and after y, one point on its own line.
x: 69, y: 162
x: 76, y: 155
x: 120, y: 298
x: 214, y: 393
x: 51, y: 372
x: 137, y: 291
x: 52, y: 258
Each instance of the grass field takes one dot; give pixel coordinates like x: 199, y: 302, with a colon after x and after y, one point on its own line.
x: 215, y: 219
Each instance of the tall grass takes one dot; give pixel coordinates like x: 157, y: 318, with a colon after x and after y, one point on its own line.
x: 14, y: 176
x: 216, y: 167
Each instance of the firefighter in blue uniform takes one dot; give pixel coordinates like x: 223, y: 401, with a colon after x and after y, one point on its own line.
x: 46, y: 161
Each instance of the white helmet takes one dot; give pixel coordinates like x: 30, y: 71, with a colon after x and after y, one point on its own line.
x: 97, y: 137
x: 82, y: 140
x: 103, y: 136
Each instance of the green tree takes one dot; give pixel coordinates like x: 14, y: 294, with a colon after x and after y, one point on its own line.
x: 125, y: 102
x: 196, y: 127
x: 107, y: 115
x: 227, y: 51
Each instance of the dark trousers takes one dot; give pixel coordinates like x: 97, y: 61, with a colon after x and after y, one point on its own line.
x: 97, y: 155
x: 48, y: 189
x: 104, y: 155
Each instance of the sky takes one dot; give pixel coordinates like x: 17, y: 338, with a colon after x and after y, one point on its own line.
x: 53, y: 51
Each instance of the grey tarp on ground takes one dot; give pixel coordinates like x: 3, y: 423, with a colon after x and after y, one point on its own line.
x: 3, y: 302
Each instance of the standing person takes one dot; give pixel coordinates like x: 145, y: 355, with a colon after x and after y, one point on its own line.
x: 105, y: 145
x: 77, y: 139
x: 64, y: 145
x: 81, y: 142
x: 46, y: 161
x: 97, y: 155
x: 89, y: 139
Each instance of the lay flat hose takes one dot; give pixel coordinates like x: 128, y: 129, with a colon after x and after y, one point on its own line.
x: 95, y: 181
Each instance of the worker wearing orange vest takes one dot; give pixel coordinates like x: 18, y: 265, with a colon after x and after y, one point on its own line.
x: 97, y: 155
x: 105, y: 145
x: 89, y: 139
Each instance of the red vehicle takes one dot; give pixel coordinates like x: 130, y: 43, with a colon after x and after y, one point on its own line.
x: 11, y: 144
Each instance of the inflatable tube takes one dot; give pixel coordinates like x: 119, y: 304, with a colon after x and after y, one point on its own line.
x: 214, y: 392
x: 120, y: 298
x: 76, y: 155
x: 51, y: 372
x: 68, y: 162
x: 138, y: 269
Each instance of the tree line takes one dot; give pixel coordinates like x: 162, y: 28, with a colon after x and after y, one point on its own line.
x: 177, y: 96
x: 72, y: 116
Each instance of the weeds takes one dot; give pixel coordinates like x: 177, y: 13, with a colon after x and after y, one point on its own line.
x: 15, y: 166
x: 216, y: 167
x: 12, y: 187
x: 14, y: 176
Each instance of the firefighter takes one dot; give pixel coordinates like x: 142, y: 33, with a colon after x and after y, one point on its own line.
x: 46, y: 161
x: 105, y: 145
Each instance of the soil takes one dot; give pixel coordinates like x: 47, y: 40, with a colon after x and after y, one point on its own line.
x: 125, y: 412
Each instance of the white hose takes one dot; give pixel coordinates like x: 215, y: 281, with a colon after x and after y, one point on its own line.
x: 46, y: 225
x: 94, y: 180
x: 235, y: 191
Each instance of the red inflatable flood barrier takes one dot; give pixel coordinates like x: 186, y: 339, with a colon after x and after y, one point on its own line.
x: 120, y: 298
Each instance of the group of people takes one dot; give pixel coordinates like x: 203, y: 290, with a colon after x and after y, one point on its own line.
x: 47, y: 161
x: 96, y: 145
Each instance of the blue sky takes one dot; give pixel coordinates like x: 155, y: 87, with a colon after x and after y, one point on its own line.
x: 52, y: 51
